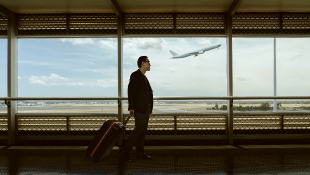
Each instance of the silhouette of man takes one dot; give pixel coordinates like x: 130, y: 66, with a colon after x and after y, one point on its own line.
x: 140, y: 103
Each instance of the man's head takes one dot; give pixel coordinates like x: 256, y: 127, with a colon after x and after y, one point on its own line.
x: 144, y: 63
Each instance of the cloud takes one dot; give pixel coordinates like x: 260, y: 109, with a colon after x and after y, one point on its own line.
x: 36, y: 80
x: 102, y: 43
x: 241, y: 78
x: 151, y: 44
x: 203, y: 41
x: 19, y: 77
x: 75, y: 84
x: 128, y: 63
x: 89, y: 62
x: 52, y: 80
x: 136, y: 47
x: 78, y: 41
x: 112, y: 67
x: 107, y: 43
x: 55, y: 77
x: 104, y: 83
x: 107, y: 71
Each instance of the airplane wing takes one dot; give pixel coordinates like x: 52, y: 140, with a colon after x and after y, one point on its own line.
x: 197, y: 52
x: 194, y: 53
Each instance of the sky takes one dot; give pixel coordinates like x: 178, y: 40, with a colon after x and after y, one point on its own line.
x: 87, y: 67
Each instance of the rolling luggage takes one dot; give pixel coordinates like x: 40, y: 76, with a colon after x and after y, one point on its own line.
x: 105, y: 139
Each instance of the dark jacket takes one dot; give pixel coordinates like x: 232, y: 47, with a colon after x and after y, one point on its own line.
x: 138, y: 98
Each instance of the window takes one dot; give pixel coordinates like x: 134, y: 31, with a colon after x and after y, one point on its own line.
x: 293, y: 72
x: 78, y: 67
x: 203, y: 75
x: 293, y: 66
x: 253, y: 72
x: 3, y: 73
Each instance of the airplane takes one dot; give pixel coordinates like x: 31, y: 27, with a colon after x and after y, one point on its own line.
x: 196, y: 53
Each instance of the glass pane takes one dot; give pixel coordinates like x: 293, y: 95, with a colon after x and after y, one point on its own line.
x: 201, y: 75
x: 293, y: 72
x: 253, y: 66
x: 293, y: 66
x: 253, y: 72
x: 3, y: 73
x: 78, y: 67
x: 204, y: 75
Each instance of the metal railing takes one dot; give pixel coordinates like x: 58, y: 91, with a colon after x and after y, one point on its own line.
x: 246, y: 125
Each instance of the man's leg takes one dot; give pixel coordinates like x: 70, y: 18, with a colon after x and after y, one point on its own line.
x: 141, y: 139
x: 136, y: 133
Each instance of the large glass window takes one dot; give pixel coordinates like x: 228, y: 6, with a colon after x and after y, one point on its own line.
x: 253, y: 72
x: 293, y: 60
x: 253, y: 66
x: 3, y: 73
x: 78, y: 67
x: 293, y: 72
x: 253, y: 61
x: 201, y: 75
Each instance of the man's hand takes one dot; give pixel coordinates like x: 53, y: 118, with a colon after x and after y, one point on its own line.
x: 150, y: 114
x: 132, y: 111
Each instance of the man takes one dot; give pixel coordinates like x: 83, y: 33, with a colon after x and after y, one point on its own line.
x: 140, y: 103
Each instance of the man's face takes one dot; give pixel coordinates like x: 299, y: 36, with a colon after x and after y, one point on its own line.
x: 147, y: 64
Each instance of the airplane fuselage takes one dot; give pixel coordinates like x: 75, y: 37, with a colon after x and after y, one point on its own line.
x: 196, y: 52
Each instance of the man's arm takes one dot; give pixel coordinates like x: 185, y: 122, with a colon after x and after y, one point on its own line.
x: 132, y: 91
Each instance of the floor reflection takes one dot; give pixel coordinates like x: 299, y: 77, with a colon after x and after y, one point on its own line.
x: 167, y: 161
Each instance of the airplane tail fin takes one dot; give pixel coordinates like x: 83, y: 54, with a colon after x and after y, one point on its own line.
x: 173, y: 53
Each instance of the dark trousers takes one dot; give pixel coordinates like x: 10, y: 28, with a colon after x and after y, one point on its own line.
x: 137, y: 136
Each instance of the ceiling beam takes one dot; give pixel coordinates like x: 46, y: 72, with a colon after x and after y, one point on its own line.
x: 115, y: 7
x: 233, y: 7
x: 5, y: 12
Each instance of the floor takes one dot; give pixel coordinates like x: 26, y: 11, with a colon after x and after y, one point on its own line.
x: 222, y: 159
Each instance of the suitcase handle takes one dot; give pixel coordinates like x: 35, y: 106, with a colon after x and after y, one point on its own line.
x: 127, y: 119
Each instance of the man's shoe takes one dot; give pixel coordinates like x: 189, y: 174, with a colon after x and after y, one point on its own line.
x: 145, y: 157
x: 125, y: 156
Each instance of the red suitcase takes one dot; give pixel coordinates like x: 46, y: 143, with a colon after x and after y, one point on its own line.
x: 105, y: 139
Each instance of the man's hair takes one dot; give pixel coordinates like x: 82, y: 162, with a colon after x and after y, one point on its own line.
x: 140, y: 59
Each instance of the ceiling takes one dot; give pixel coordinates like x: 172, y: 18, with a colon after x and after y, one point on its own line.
x: 152, y: 6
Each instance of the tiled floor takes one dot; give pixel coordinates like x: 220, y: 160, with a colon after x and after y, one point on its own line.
x: 241, y: 159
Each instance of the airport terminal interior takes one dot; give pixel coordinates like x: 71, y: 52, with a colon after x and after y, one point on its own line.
x: 229, y: 80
